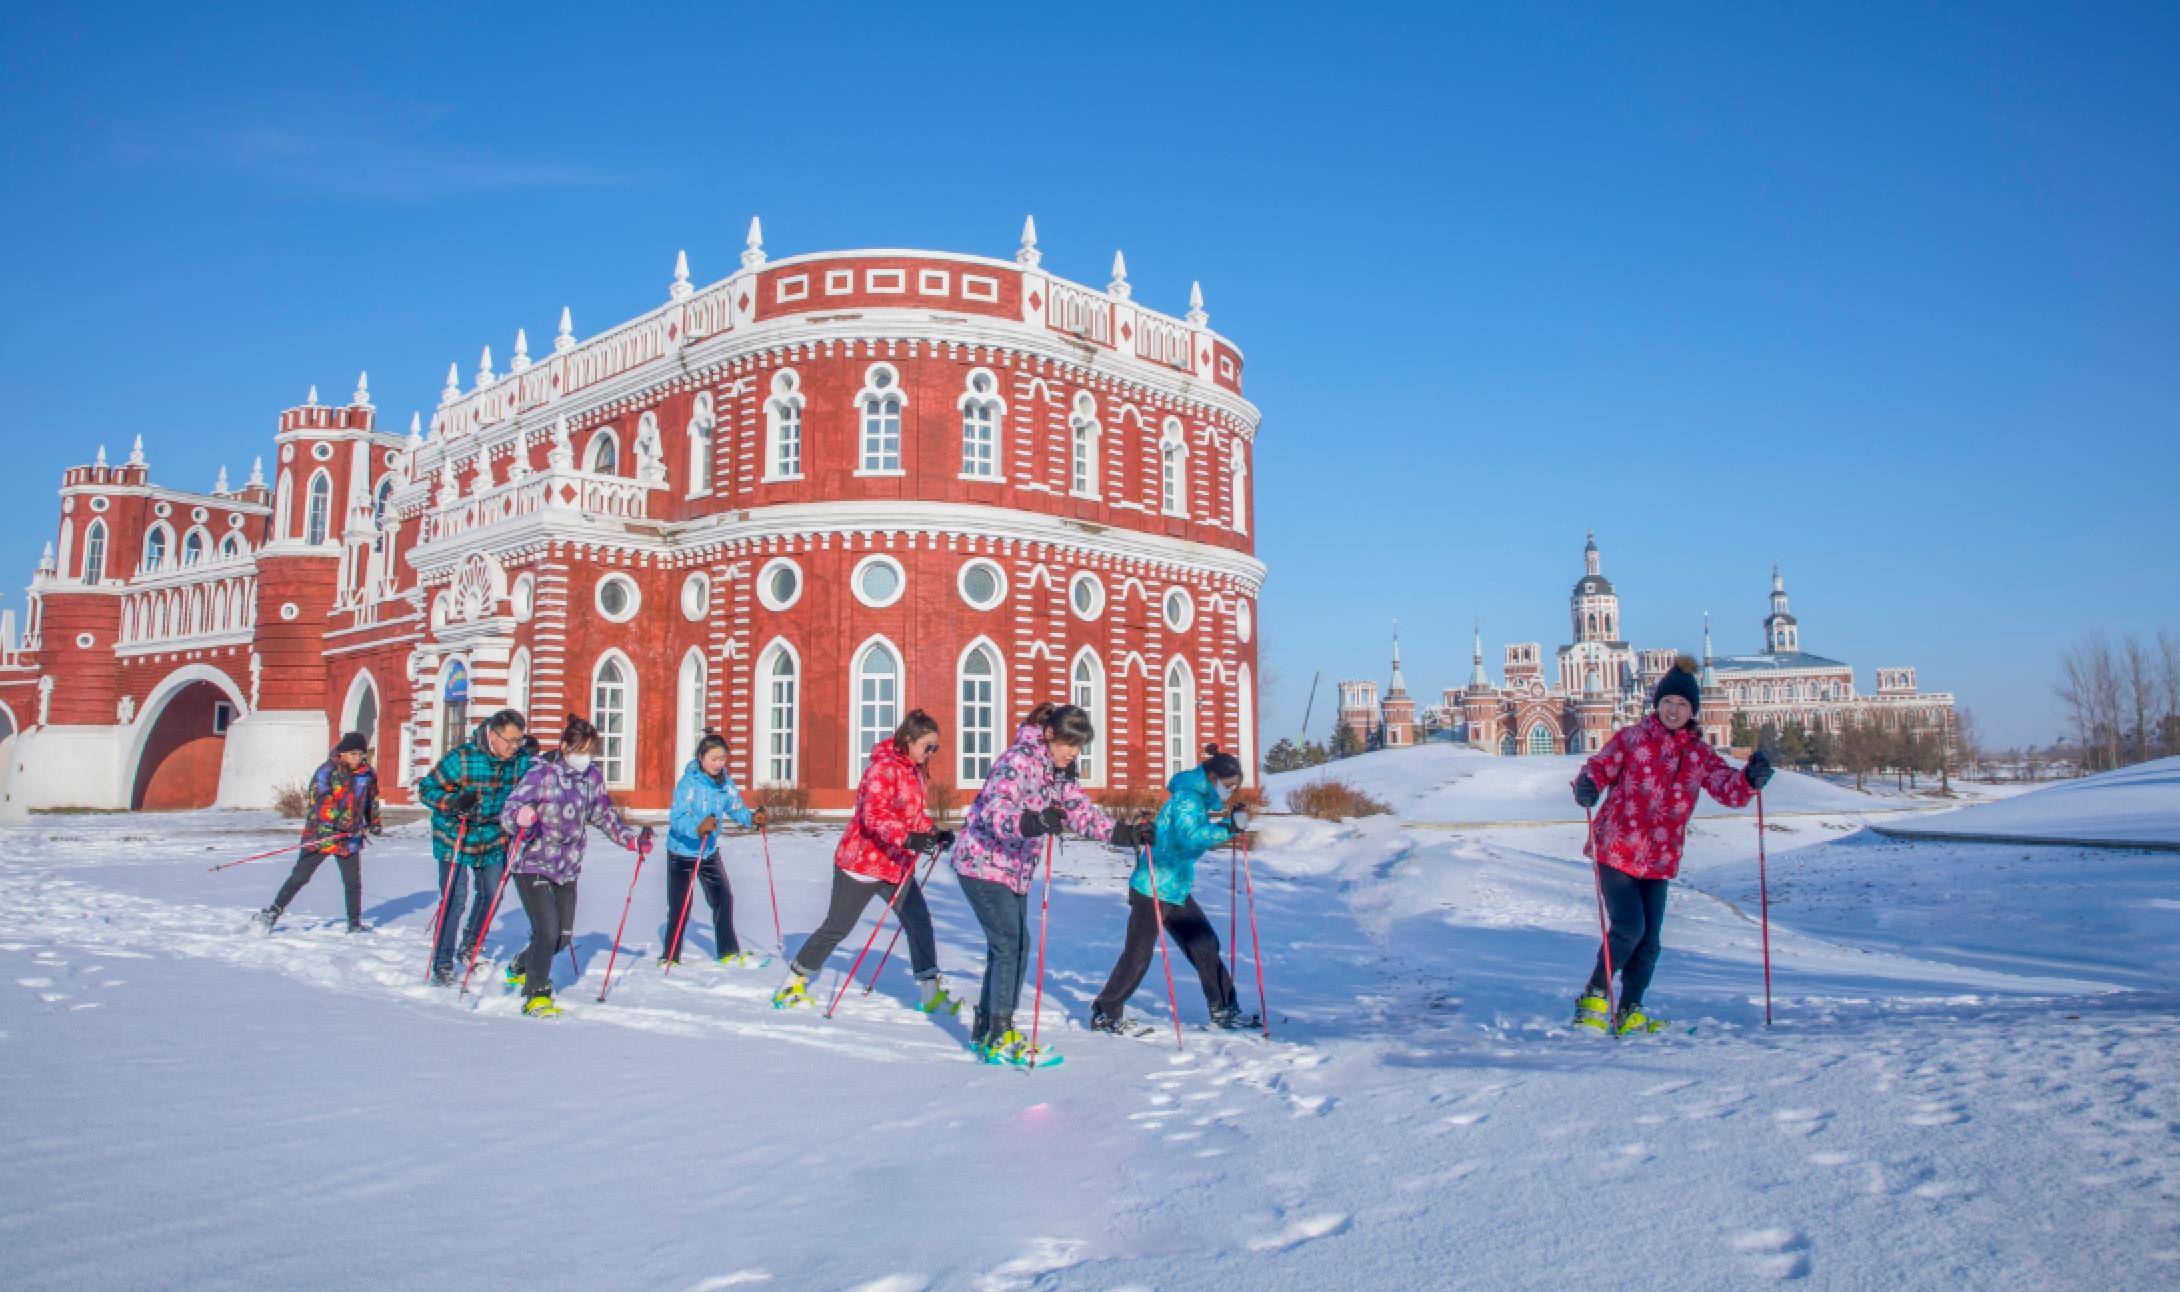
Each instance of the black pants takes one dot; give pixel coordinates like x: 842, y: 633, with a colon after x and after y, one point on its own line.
x: 717, y: 894
x: 551, y: 908
x: 846, y: 908
x: 306, y: 864
x: 1190, y: 930
x: 1636, y: 910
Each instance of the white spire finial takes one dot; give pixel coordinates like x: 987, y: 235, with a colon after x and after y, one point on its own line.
x: 362, y: 397
x: 1196, y: 315
x: 257, y: 472
x: 680, y: 289
x: 312, y: 398
x: 753, y: 247
x: 100, y: 460
x: 136, y: 452
x: 1029, y: 254
x: 566, y: 339
x: 453, y: 390
x: 220, y: 485
x: 485, y: 375
x: 1119, y: 286
x: 522, y: 350
x: 416, y: 429
x: 45, y: 561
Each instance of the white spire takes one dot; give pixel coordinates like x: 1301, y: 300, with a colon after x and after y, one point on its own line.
x: 1709, y: 678
x: 680, y: 288
x: 100, y: 460
x: 257, y: 473
x: 45, y: 561
x: 1477, y: 678
x: 220, y: 485
x: 1119, y: 286
x: 1029, y: 254
x: 1196, y: 315
x: 485, y: 375
x: 566, y: 339
x: 136, y: 452
x: 416, y: 430
x: 522, y: 351
x: 362, y: 397
x: 312, y: 399
x: 753, y: 247
x: 1400, y: 684
x: 453, y: 390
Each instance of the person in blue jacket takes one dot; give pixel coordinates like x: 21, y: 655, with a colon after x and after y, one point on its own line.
x: 1195, y: 820
x: 705, y: 796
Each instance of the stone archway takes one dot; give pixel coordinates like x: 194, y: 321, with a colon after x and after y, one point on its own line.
x: 181, y: 736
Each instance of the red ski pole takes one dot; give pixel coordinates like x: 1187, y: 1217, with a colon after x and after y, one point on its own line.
x: 1158, y: 916
x: 446, y: 890
x: 898, y: 889
x: 484, y: 930
x: 779, y: 939
x: 895, y: 940
x: 1233, y: 912
x: 622, y: 927
x: 1604, y: 931
x: 1044, y: 921
x: 1763, y: 894
x: 688, y: 899
x: 1256, y: 950
x: 280, y: 851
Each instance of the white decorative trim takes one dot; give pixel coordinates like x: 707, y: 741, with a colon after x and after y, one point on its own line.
x: 900, y: 584
x: 1086, y: 578
x: 999, y: 578
x: 598, y: 598
x: 764, y: 583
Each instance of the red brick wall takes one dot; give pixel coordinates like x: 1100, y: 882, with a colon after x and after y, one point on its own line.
x: 180, y: 766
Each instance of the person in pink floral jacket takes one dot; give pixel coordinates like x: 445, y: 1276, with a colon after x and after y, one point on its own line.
x: 1654, y: 771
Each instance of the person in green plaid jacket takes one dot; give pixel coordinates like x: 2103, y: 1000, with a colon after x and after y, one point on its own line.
x: 465, y: 793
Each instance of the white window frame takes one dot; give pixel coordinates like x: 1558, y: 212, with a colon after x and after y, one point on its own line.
x: 1245, y: 620
x: 94, y: 552
x: 203, y: 538
x: 635, y: 597
x: 1173, y: 470
x: 1245, y: 721
x: 1097, y: 586
x: 318, y: 508
x: 603, y: 437
x: 519, y: 676
x: 978, y: 718
x: 1088, y: 694
x: 1180, y: 716
x: 1237, y: 485
x: 692, y: 702
x: 765, y: 762
x: 900, y: 580
x: 164, y: 534
x: 983, y: 414
x: 764, y: 583
x: 1085, y: 437
x: 1186, y: 619
x: 871, y: 429
x: 523, y: 599
x: 702, y: 424
x: 887, y: 716
x: 696, y: 596
x: 283, y: 504
x: 999, y: 574
x: 783, y: 427
x: 616, y: 751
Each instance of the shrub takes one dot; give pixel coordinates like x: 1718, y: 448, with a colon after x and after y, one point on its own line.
x: 291, y: 800
x: 1333, y: 800
x: 783, y: 804
x: 1126, y: 805
x: 943, y: 800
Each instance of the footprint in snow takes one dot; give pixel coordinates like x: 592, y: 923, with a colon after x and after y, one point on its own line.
x: 33, y: 982
x: 1467, y: 1119
x: 895, y: 1283
x: 1937, y: 1114
x: 1775, y: 1253
x: 740, y: 1278
x: 1298, y: 1232
x: 1803, y: 1121
x: 1045, y: 1256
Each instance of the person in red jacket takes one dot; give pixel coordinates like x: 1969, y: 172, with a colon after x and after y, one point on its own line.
x: 1655, y: 770
x: 876, y: 859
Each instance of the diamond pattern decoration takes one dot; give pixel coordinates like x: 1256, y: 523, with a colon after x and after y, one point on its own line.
x: 1127, y: 332
x: 1036, y: 300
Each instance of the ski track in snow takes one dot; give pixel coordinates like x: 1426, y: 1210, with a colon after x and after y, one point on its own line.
x: 1421, y: 1090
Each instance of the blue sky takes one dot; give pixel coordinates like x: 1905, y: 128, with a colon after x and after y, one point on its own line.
x: 1888, y: 294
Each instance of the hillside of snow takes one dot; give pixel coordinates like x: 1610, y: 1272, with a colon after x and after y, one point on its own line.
x: 1968, y: 1083
x: 2139, y: 804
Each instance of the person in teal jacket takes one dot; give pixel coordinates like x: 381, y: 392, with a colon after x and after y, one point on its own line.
x: 1195, y: 820
x: 705, y: 797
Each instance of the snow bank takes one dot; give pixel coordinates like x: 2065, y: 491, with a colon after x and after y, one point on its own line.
x: 1442, y: 784
x: 2135, y: 806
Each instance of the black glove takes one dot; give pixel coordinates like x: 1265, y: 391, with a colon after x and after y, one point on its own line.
x: 463, y: 802
x: 1237, y: 820
x: 919, y: 841
x: 944, y: 839
x: 1585, y: 791
x: 1759, y: 770
x: 1125, y: 835
x: 643, y: 839
x: 1049, y: 821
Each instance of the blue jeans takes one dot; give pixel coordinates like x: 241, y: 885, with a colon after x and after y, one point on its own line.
x: 1637, y: 911
x: 1004, y: 914
x: 487, y: 879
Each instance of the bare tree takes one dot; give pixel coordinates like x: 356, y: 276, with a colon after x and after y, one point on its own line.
x: 2089, y: 689
x: 2138, y: 691
x: 1967, y: 742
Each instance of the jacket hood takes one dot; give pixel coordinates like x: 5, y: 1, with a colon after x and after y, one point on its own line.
x: 885, y: 751
x: 1193, y: 781
x: 696, y: 768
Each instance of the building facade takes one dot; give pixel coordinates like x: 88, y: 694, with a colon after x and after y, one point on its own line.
x: 788, y: 506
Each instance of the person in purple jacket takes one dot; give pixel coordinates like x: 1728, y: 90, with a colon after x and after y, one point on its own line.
x: 562, y: 795
x: 1032, y: 790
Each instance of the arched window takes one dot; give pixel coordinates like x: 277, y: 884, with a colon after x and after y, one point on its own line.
x: 877, y: 700
x: 1593, y: 623
x: 318, y: 511
x: 1540, y: 739
x: 691, y: 700
x: 777, y: 714
x: 231, y: 546
x: 612, y: 703
x: 881, y: 402
x: 1173, y: 470
x: 783, y: 427
x: 380, y: 501
x: 1180, y: 717
x: 193, y: 545
x: 94, y: 552
x: 283, y: 505
x: 977, y: 716
x: 1086, y: 690
x: 453, y: 706
x: 1608, y: 625
x: 701, y: 423
x: 1245, y: 707
x: 360, y: 713
x: 158, y: 540
x: 1237, y: 486
x: 518, y: 681
x: 604, y: 455
x: 1506, y: 745
x: 981, y: 411
x: 1083, y: 465
x: 195, y: 622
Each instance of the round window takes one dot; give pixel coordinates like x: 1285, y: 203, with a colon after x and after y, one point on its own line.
x: 289, y: 610
x: 696, y: 596
x: 322, y: 451
x: 393, y: 459
x: 84, y: 640
x: 163, y: 509
x: 234, y: 521
x: 198, y: 513
x: 98, y: 504
x: 1180, y: 610
x: 878, y: 581
x: 1086, y: 595
x: 1244, y: 620
x: 617, y: 598
x: 779, y: 584
x: 983, y: 584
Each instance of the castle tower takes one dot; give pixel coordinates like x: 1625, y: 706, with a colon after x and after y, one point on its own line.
x: 1480, y: 702
x: 1399, y: 708
x: 1359, y: 710
x: 1781, y: 635
x: 1593, y: 606
x: 1713, y: 717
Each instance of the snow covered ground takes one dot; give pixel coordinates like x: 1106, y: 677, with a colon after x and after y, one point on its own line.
x: 1969, y: 1083
x: 2139, y: 804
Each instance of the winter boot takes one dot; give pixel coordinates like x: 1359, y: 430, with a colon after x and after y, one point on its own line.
x: 540, y: 1007
x: 268, y: 917
x: 936, y: 999
x: 1592, y: 1010
x: 1633, y: 1021
x: 442, y: 975
x: 1229, y: 1018
x: 991, y: 1042
x: 1100, y: 1021
x: 356, y: 926
x: 515, y: 976
x: 1014, y: 1048
x: 793, y: 994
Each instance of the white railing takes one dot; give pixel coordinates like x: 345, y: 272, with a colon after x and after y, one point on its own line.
x: 579, y: 492
x: 170, y: 616
x: 1084, y: 313
x: 1162, y: 341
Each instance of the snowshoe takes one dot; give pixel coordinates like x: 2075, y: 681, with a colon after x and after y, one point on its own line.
x: 745, y: 960
x: 1633, y: 1020
x: 357, y: 926
x: 938, y: 1000
x: 1592, y: 1011
x: 1231, y: 1019
x: 1114, y: 1024
x: 793, y: 994
x: 540, y: 1007
x: 443, y: 977
x: 1013, y: 1049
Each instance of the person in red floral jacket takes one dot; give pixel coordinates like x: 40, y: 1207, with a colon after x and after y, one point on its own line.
x: 1654, y: 769
x: 876, y: 859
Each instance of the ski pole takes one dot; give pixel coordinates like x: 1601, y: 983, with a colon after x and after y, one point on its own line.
x: 1044, y: 919
x: 280, y: 851
x: 1256, y: 950
x: 1233, y: 912
x: 446, y: 890
x: 895, y: 940
x: 1604, y: 931
x: 688, y: 899
x: 779, y: 939
x: 622, y: 927
x: 898, y: 889
x: 1158, y: 916
x: 484, y: 930
x: 1763, y: 893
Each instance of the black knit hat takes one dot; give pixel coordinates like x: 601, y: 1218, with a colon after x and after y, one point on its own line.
x: 1680, y: 680
x: 355, y: 742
